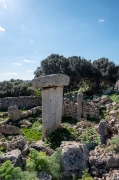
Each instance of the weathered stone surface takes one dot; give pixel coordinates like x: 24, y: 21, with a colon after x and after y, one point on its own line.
x: 101, y: 163
x: 14, y: 156
x: 20, y: 102
x: 112, y: 175
x: 74, y: 158
x: 44, y: 176
x: 40, y: 146
x: 51, y: 81
x: 103, y: 131
x: 80, y: 104
x: 51, y: 109
x: 18, y: 142
x: 10, y: 130
x: 112, y: 160
x: 14, y: 113
x: 105, y: 98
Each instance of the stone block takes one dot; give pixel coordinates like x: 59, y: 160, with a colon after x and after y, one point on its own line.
x: 51, y: 81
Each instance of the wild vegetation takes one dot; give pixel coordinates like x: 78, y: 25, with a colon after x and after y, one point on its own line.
x: 97, y: 75
x: 85, y: 77
x: 14, y: 88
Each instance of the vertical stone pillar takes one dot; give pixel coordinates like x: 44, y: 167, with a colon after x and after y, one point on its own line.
x: 80, y: 104
x: 52, y: 97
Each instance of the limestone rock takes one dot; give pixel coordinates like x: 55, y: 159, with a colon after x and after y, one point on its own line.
x: 74, y: 158
x: 44, y: 176
x: 14, y: 156
x: 112, y: 175
x: 102, y: 131
x: 25, y: 114
x: 112, y: 160
x: 51, y: 81
x: 18, y: 142
x: 10, y: 130
x: 105, y: 98
x: 14, y: 113
x: 40, y: 146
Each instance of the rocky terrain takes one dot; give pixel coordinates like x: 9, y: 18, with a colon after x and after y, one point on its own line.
x: 89, y: 145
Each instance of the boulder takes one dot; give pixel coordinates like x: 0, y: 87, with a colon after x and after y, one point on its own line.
x: 105, y: 98
x: 40, y: 146
x: 18, y: 142
x: 14, y: 156
x: 112, y: 175
x: 14, y: 113
x: 74, y: 158
x: 101, y: 162
x: 24, y: 114
x: 103, y: 131
x: 44, y: 176
x: 10, y: 130
x: 112, y: 160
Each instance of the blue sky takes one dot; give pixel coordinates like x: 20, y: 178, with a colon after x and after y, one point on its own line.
x: 31, y: 30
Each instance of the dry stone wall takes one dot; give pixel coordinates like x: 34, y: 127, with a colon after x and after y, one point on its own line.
x: 20, y: 102
x: 71, y: 106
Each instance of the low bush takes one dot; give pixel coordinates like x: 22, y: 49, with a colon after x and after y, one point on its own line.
x: 86, y: 176
x: 90, y: 135
x: 9, y: 172
x: 113, y: 144
x: 39, y: 161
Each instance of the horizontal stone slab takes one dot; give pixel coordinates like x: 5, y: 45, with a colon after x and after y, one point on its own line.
x: 51, y: 81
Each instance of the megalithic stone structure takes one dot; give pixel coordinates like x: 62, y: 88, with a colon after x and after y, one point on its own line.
x: 80, y: 101
x: 52, y: 97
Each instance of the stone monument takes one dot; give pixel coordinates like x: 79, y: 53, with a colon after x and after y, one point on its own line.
x: 80, y: 106
x: 52, y: 97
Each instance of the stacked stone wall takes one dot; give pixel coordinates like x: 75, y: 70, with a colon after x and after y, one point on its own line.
x: 20, y: 102
x: 70, y: 108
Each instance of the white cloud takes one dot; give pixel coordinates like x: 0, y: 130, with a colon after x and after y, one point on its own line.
x: 101, y: 20
x: 29, y: 71
x: 5, y: 6
x: 17, y: 64
x: 2, y: 29
x: 29, y: 61
x: 7, y: 74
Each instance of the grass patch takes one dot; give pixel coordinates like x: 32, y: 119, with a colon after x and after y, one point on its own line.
x: 34, y: 133
x: 114, y: 97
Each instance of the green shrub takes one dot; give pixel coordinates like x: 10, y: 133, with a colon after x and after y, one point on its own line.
x: 9, y: 172
x: 114, y: 144
x: 114, y: 97
x: 39, y: 161
x: 86, y: 176
x: 90, y: 135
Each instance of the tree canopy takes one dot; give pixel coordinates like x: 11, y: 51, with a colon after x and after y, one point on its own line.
x: 100, y: 72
